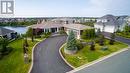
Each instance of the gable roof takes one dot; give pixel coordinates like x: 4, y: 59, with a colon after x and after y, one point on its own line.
x: 111, y: 20
x: 109, y: 17
x: 4, y: 31
x: 47, y: 25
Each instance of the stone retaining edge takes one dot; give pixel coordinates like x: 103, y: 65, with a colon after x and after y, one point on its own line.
x: 64, y: 58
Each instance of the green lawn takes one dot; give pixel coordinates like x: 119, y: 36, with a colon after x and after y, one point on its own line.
x: 123, y: 35
x: 85, y: 55
x: 14, y: 62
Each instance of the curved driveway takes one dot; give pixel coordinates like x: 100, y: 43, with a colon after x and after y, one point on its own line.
x: 47, y: 58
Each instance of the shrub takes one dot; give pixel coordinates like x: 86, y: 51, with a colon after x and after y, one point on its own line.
x: 92, y: 46
x: 79, y: 45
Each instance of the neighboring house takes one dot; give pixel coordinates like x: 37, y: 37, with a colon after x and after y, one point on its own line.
x: 76, y: 28
x: 110, y: 23
x: 85, y: 19
x: 55, y: 27
x: 6, y: 33
x: 122, y: 20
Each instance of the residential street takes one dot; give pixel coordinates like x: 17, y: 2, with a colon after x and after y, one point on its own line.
x: 118, y: 38
x: 47, y: 58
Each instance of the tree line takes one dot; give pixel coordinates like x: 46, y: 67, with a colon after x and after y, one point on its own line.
x: 16, y: 23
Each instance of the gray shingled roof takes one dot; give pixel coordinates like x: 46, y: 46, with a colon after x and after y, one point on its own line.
x: 111, y: 20
x: 47, y: 25
x: 4, y: 31
x: 77, y: 26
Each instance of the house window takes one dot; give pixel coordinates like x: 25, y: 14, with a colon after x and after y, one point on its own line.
x: 46, y: 30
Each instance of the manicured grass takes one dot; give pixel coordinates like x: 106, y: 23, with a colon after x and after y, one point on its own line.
x: 123, y: 35
x: 14, y: 62
x: 85, y: 55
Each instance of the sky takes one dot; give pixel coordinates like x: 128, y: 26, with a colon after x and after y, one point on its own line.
x: 71, y: 8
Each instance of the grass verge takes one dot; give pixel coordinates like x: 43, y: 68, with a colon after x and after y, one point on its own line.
x: 14, y: 62
x: 85, y: 55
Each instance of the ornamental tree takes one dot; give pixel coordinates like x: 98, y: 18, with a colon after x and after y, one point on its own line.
x: 88, y: 34
x: 92, y: 46
x: 112, y: 39
x: 30, y: 34
x: 127, y: 29
x: 101, y: 40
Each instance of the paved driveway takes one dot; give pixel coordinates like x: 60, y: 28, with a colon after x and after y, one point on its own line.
x: 47, y: 58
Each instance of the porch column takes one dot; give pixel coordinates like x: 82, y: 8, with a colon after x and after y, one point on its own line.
x: 44, y: 30
x: 49, y: 29
x: 57, y: 29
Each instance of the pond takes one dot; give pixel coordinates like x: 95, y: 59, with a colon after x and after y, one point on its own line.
x: 20, y: 30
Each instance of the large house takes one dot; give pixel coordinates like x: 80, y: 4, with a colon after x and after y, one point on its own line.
x: 55, y: 27
x: 6, y: 33
x: 110, y: 23
x: 48, y: 27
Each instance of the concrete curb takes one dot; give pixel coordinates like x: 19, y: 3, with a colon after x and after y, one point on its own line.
x: 33, y: 55
x: 98, y: 60
x: 64, y: 58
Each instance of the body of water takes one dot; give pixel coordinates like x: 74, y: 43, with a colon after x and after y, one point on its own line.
x: 20, y: 30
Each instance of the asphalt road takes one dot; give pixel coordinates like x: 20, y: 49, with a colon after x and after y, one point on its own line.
x: 47, y: 58
x: 118, y: 38
x: 117, y: 64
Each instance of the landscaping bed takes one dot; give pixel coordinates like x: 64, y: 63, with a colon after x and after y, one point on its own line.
x: 14, y: 61
x: 85, y: 55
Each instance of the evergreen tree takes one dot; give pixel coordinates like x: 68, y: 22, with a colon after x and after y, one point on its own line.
x: 71, y: 41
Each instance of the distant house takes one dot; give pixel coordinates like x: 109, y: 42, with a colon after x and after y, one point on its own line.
x: 6, y: 33
x: 110, y: 23
x: 55, y: 27
x: 64, y: 20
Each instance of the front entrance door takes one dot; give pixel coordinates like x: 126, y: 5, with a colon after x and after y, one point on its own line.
x: 53, y: 30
